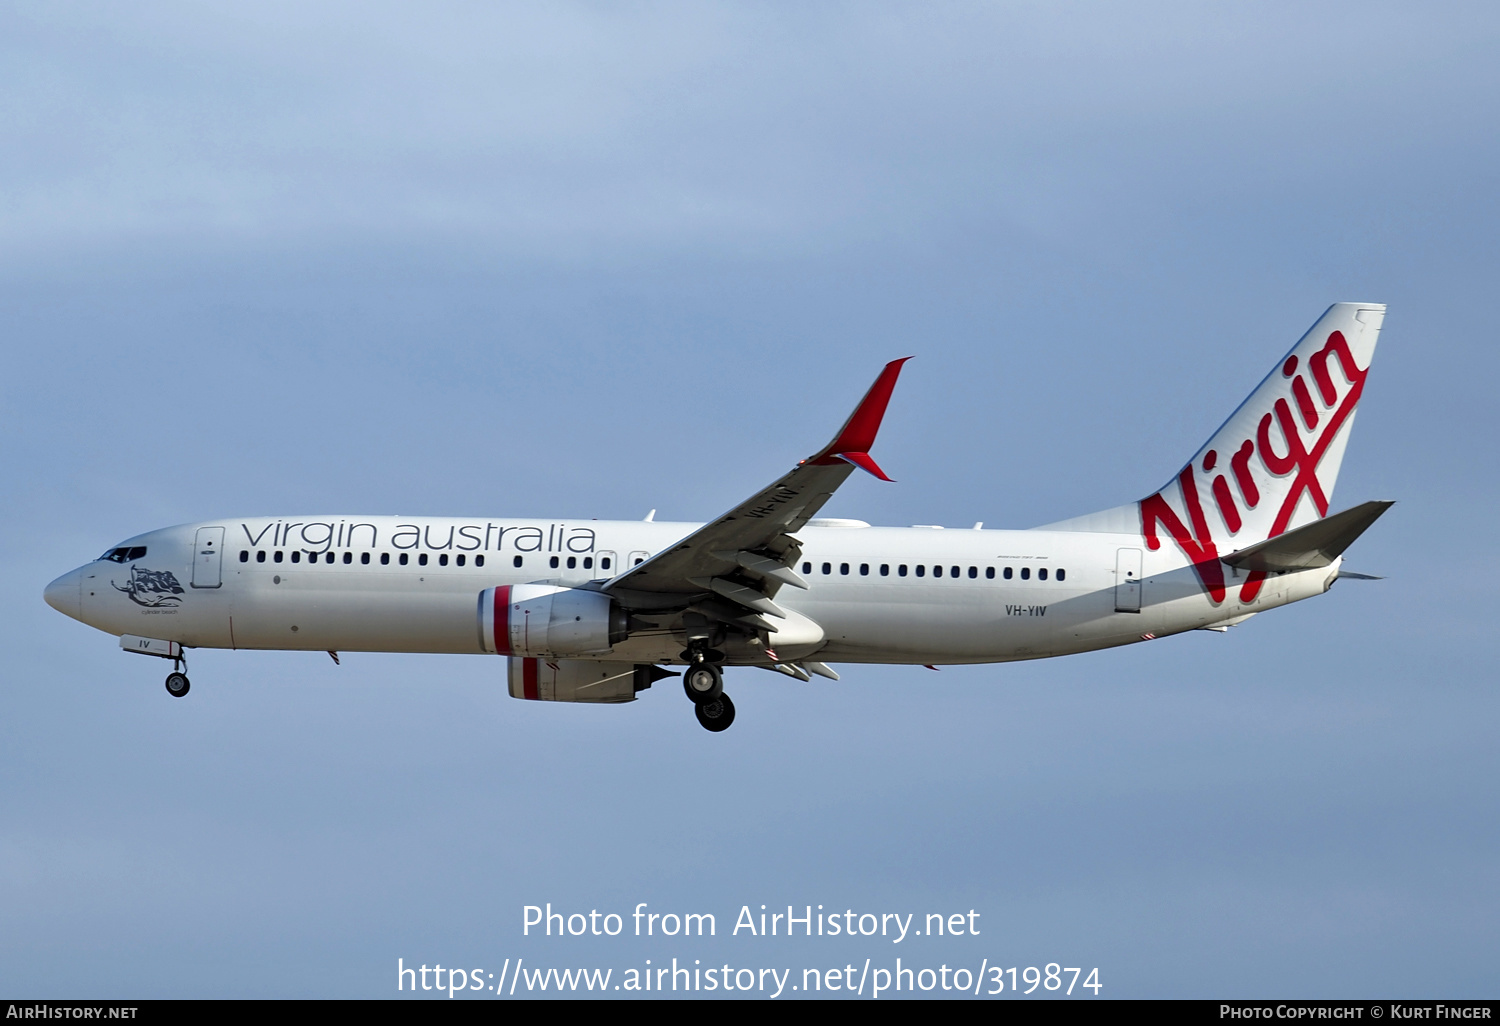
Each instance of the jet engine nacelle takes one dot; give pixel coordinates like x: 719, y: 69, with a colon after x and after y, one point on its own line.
x: 547, y: 621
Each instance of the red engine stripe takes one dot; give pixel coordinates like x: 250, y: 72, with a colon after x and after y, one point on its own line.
x: 502, y: 620
x: 528, y: 677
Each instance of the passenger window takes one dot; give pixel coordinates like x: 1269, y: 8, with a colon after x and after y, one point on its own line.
x: 828, y: 568
x: 1062, y: 575
x: 297, y: 556
x: 1009, y: 573
x: 443, y: 559
x: 864, y: 569
x: 921, y: 570
x: 639, y: 560
x: 844, y: 569
x: 516, y: 562
x: 588, y: 562
x: 244, y: 555
x: 885, y: 569
x: 604, y: 563
x: 552, y: 562
x: 937, y: 571
x: 277, y: 557
x: 1041, y: 574
x: 1025, y: 573
x: 404, y: 557
x: 807, y: 568
x: 953, y: 571
x: 385, y: 559
x: 348, y: 557
x: 989, y: 573
x: 901, y: 570
x: 364, y: 557
x: 572, y: 562
x: 260, y: 557
x: 973, y: 572
x: 459, y: 560
x: 327, y: 559
x: 479, y: 561
x: 422, y: 559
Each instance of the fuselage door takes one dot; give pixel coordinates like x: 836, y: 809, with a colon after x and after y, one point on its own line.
x: 1128, y: 581
x: 636, y: 558
x: 208, y: 549
x: 608, y: 564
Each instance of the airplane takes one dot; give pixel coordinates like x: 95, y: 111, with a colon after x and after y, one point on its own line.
x: 595, y: 611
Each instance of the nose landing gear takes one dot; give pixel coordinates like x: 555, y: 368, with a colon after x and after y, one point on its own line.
x: 177, y: 682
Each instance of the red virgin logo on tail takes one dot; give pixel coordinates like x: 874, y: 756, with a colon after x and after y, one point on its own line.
x: 1284, y: 452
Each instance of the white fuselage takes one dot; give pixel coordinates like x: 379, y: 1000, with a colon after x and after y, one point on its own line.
x: 875, y: 592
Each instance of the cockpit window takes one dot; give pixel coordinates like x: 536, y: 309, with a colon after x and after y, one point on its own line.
x: 124, y: 554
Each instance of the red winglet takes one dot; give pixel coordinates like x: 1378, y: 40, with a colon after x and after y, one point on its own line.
x: 863, y: 461
x: 852, y: 444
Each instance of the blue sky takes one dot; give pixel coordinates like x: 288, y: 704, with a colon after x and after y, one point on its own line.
x: 585, y: 260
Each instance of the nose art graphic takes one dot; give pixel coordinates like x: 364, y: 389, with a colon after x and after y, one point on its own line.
x: 151, y: 587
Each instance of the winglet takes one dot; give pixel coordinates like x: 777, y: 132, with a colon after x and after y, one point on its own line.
x: 852, y: 444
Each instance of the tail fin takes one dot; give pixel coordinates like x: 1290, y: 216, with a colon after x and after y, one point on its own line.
x: 1272, y: 465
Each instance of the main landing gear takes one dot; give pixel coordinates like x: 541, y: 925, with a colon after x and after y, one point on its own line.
x: 704, y: 684
x: 716, y: 715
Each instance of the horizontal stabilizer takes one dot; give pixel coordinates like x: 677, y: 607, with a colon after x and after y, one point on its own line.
x: 1317, y: 544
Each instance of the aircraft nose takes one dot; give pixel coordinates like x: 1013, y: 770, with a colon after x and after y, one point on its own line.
x: 65, y: 594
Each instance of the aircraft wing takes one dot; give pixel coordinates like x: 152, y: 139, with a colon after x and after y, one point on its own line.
x: 732, y: 567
